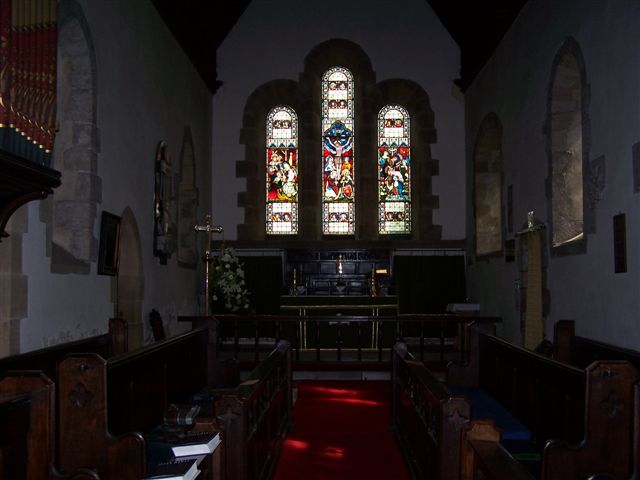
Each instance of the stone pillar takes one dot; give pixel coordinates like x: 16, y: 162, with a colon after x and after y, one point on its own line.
x: 13, y: 284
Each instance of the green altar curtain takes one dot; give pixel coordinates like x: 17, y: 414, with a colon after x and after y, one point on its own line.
x: 426, y: 284
x: 263, y: 276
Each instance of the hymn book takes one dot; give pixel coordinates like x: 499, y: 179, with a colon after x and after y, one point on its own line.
x: 195, y: 444
x: 178, y: 470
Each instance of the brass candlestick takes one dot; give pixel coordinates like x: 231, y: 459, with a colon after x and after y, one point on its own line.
x: 373, y: 291
x: 294, y: 286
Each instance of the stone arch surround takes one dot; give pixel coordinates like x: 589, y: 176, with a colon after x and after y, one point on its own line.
x: 73, y: 208
x: 567, y: 103
x: 487, y: 188
x: 304, y: 97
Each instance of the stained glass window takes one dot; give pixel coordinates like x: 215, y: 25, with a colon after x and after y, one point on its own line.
x: 282, y: 171
x: 338, y: 173
x: 394, y: 171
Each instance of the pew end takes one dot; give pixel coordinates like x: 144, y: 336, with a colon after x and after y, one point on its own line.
x: 467, y: 374
x: 41, y: 438
x: 608, y: 425
x: 84, y: 432
x: 483, y: 456
x: 256, y: 416
x: 427, y: 418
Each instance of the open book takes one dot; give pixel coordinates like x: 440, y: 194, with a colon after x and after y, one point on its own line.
x: 178, y: 470
x: 195, y: 444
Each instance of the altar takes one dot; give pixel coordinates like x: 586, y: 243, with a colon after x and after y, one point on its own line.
x: 303, y: 305
x: 358, y: 327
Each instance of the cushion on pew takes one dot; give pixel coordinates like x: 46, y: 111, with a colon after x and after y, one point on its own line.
x: 484, y: 405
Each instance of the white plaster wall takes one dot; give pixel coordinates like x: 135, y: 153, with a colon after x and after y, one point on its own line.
x: 514, y: 84
x: 147, y: 91
x: 403, y: 39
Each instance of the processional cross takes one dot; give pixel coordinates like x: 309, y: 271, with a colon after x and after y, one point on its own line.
x: 208, y: 228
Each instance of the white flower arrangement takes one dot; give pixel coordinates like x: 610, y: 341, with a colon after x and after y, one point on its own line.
x: 228, y: 286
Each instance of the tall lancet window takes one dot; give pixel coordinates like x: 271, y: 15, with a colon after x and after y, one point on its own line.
x: 282, y: 171
x: 394, y: 170
x: 338, y: 175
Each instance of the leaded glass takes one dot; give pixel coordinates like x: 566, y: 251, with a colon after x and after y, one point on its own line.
x: 338, y: 173
x: 394, y: 171
x: 282, y: 172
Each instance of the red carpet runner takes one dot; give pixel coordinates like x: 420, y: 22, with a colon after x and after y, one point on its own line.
x: 341, y: 431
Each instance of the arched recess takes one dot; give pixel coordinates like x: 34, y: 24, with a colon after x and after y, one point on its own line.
x: 187, y: 204
x: 568, y: 147
x: 129, y: 283
x: 487, y: 184
x: 73, y: 208
x: 304, y: 97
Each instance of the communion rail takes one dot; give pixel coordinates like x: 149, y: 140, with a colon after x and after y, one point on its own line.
x: 435, y: 338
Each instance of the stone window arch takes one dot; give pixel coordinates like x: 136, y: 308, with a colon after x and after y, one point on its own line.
x: 72, y: 211
x: 567, y: 149
x: 304, y: 96
x: 487, y: 187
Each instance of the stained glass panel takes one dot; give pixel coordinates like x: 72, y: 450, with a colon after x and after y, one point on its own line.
x: 282, y: 172
x: 338, y: 173
x: 394, y: 171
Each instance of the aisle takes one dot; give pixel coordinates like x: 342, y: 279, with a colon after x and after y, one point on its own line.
x: 341, y: 431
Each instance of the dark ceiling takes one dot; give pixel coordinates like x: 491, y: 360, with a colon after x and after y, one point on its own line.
x: 476, y: 26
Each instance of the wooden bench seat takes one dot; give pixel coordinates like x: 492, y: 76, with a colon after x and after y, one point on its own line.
x: 482, y: 454
x: 46, y: 359
x: 582, y: 352
x: 484, y: 405
x: 573, y: 414
x: 427, y: 418
x: 105, y: 405
x: 256, y: 416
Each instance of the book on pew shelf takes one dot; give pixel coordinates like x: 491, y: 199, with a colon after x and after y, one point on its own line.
x: 178, y: 470
x: 197, y: 458
x: 195, y: 443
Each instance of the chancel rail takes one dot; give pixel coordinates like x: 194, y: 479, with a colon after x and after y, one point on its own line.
x: 315, y: 338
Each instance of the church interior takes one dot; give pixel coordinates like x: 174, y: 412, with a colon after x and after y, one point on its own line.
x: 340, y: 239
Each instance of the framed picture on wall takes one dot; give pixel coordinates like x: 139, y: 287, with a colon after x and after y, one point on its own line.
x: 620, y: 243
x: 109, y: 244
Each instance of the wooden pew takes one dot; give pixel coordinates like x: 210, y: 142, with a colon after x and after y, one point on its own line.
x: 609, y: 427
x: 104, y: 404
x: 46, y: 359
x: 548, y: 397
x: 256, y: 416
x: 581, y: 352
x: 27, y: 429
x: 544, y: 395
x: 483, y: 456
x: 635, y: 469
x: 427, y: 418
